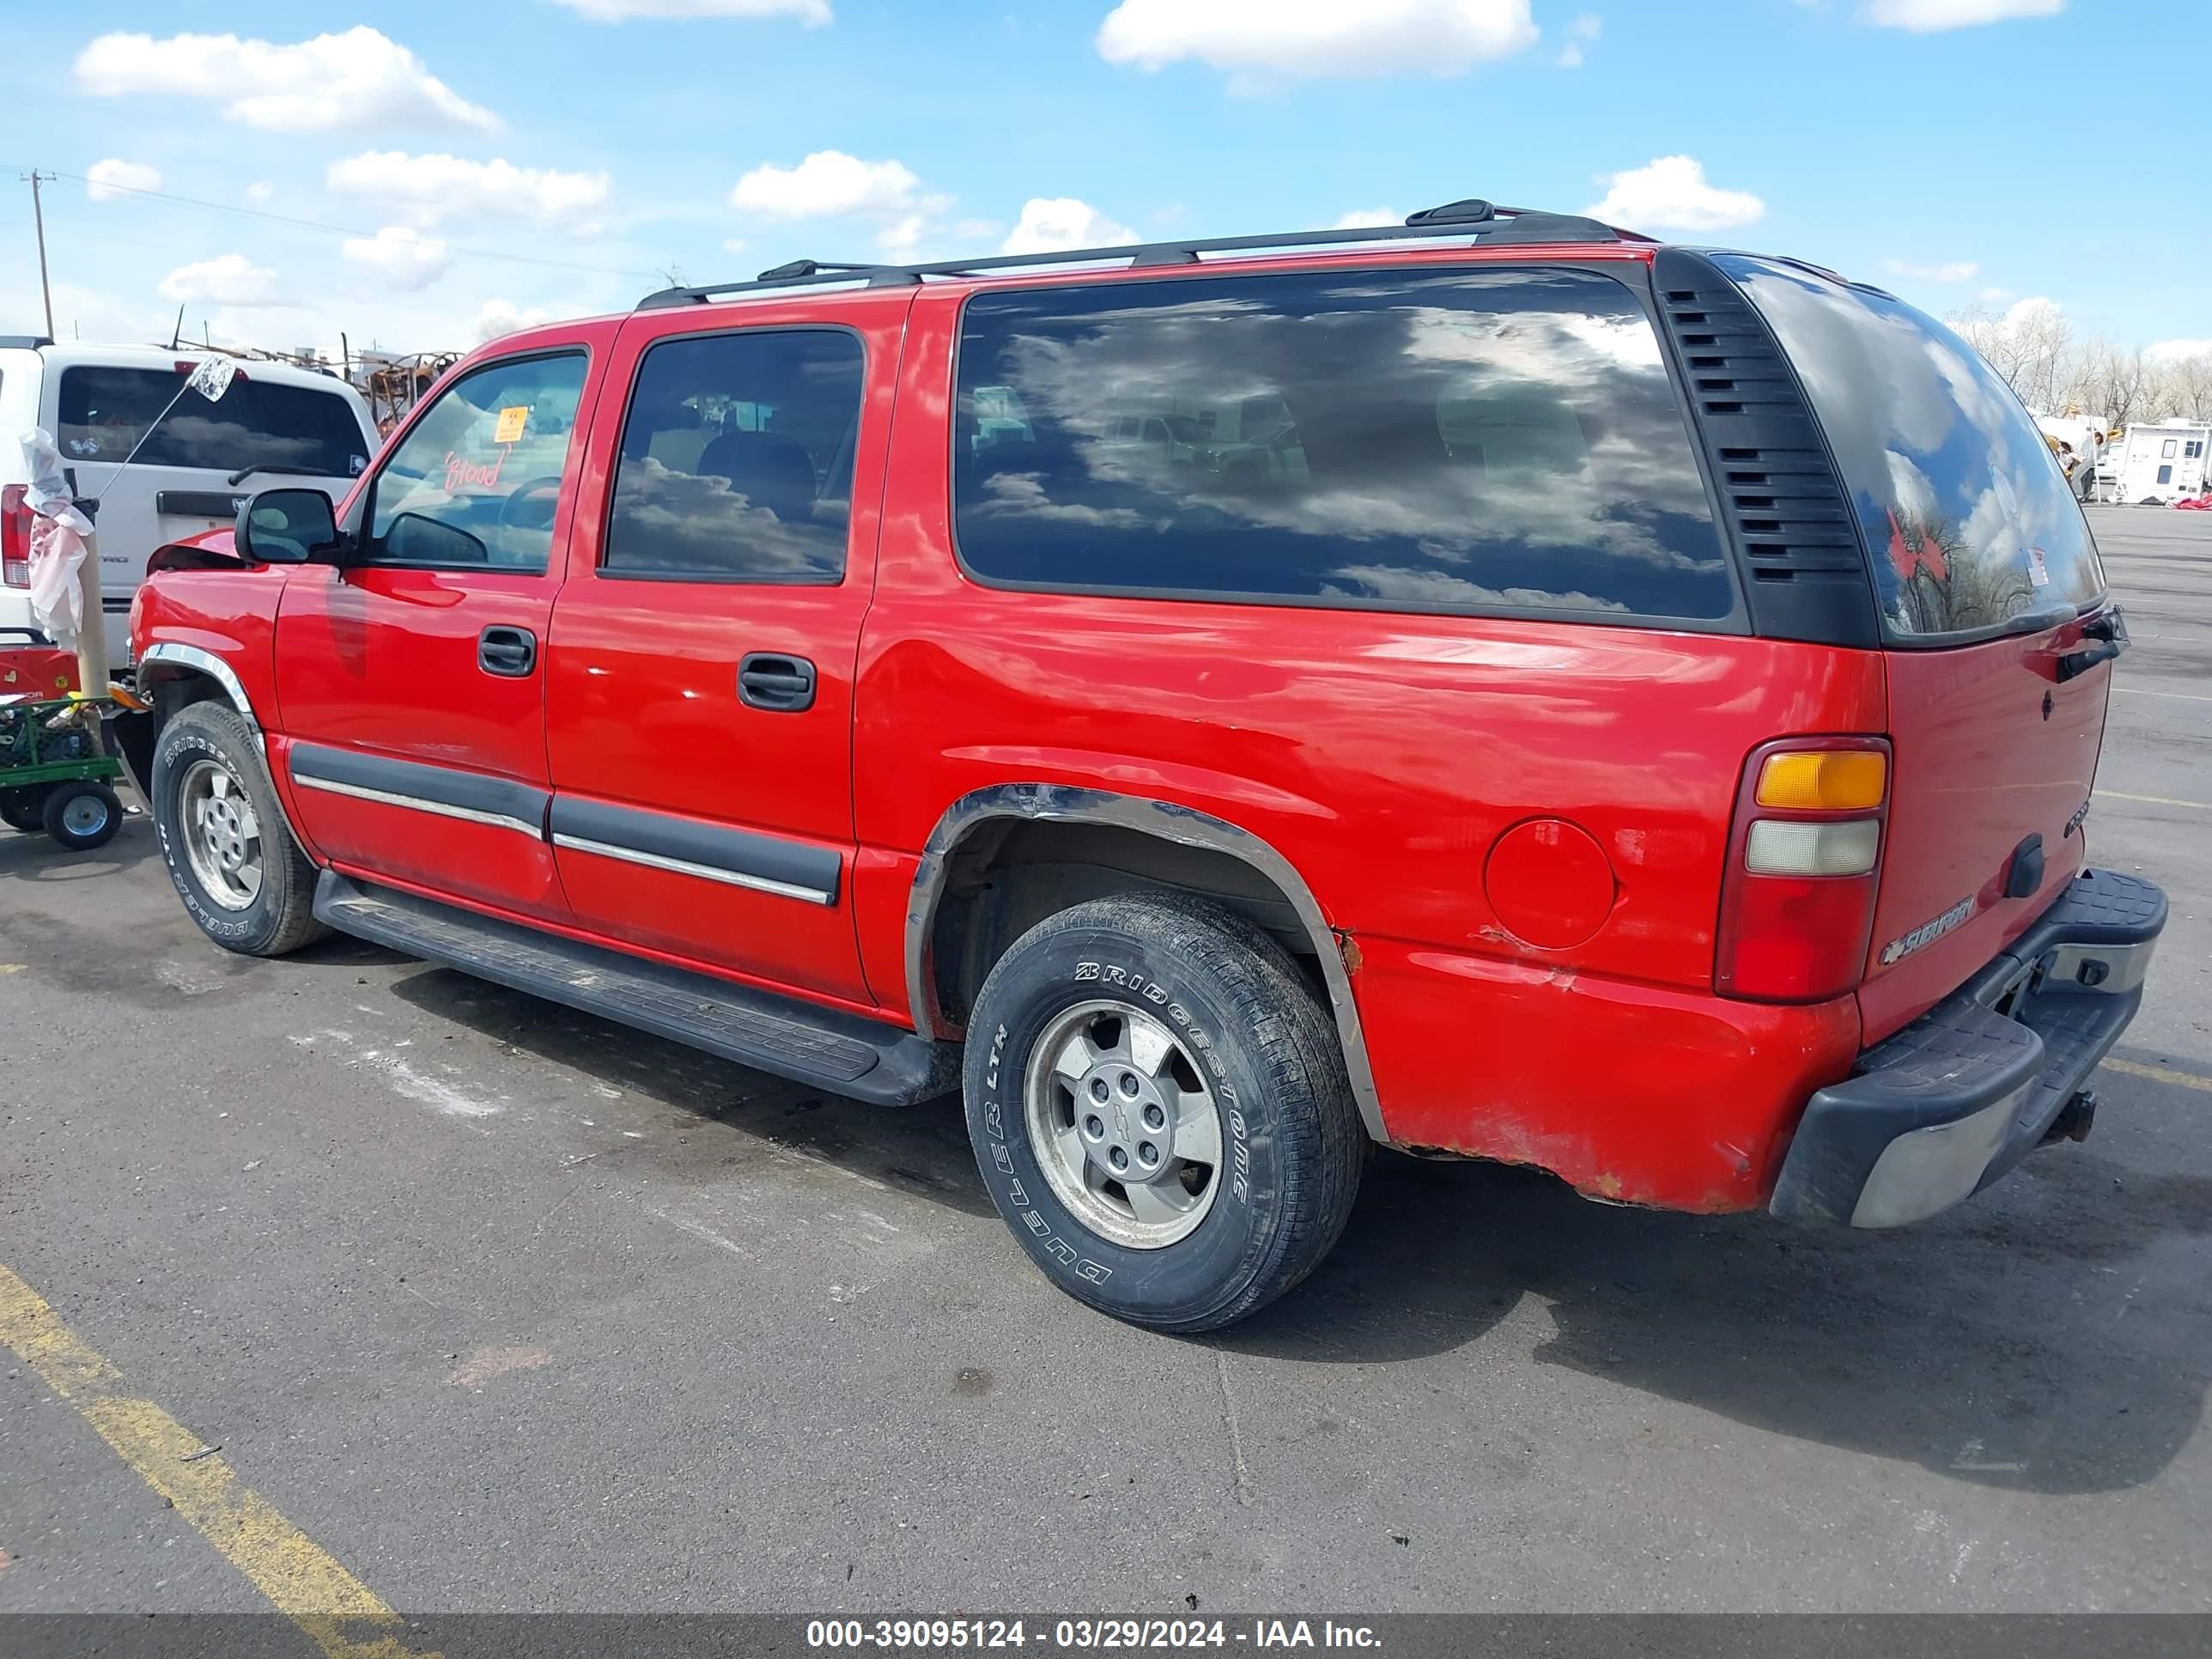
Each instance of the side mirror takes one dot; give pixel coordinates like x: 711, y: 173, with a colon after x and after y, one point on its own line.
x: 286, y: 526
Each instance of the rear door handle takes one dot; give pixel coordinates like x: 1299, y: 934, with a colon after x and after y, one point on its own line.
x: 509, y: 653
x: 780, y: 684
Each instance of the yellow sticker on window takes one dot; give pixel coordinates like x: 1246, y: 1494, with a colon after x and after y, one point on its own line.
x: 512, y: 420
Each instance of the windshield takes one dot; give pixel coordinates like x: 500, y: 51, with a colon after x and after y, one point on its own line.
x: 1966, y: 516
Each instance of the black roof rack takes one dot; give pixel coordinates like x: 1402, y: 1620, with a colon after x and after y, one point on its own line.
x: 1493, y: 225
x: 24, y: 342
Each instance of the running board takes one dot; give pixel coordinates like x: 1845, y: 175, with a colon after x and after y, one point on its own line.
x: 842, y: 1053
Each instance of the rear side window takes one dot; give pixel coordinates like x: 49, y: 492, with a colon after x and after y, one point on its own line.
x: 1963, y: 510
x: 1463, y: 441
x: 737, y: 460
x: 104, y: 412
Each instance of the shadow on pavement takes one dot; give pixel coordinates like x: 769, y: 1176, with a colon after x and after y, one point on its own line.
x: 35, y: 856
x: 922, y: 1150
x: 1994, y: 1345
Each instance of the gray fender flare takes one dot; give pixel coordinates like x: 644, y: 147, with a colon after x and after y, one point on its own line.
x: 1064, y: 804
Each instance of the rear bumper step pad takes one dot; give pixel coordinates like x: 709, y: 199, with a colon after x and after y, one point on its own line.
x: 1942, y: 1108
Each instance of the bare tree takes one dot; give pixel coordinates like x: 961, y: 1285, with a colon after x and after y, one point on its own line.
x: 2114, y: 382
x: 2028, y: 346
x: 1988, y: 335
x: 2188, y: 387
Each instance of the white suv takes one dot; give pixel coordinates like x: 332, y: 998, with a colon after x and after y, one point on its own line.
x: 192, y: 469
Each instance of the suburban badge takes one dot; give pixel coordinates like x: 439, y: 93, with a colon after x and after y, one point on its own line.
x: 1927, y: 932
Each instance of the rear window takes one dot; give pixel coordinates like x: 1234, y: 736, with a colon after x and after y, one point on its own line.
x: 1965, y: 512
x: 1462, y: 440
x: 105, y: 412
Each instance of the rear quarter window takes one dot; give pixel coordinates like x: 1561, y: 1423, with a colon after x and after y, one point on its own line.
x: 105, y: 413
x: 1963, y: 510
x: 1467, y: 440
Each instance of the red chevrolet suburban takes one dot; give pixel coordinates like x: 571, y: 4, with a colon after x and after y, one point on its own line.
x: 1499, y: 687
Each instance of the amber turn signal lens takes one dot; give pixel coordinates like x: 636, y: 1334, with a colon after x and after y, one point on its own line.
x: 1824, y: 781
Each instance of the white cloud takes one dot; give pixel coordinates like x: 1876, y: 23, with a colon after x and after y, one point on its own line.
x: 1672, y: 192
x: 733, y: 245
x: 2035, y: 308
x: 828, y: 181
x: 357, y: 79
x: 1366, y: 218
x: 1994, y: 296
x: 103, y: 181
x: 2173, y: 351
x: 1053, y: 224
x: 230, y: 279
x: 1928, y: 17
x: 260, y: 192
x: 902, y: 235
x: 1582, y: 33
x: 405, y: 257
x: 501, y: 317
x: 1958, y: 270
x: 812, y: 12
x: 1256, y: 40
x: 437, y: 186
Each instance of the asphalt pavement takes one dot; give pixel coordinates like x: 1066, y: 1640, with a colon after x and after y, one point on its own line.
x: 507, y: 1309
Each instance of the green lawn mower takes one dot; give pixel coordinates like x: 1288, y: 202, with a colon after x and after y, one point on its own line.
x: 54, y: 776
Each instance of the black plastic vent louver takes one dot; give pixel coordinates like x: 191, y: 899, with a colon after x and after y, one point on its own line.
x: 1780, y: 502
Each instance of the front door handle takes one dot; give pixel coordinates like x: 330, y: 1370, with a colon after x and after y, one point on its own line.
x: 780, y: 684
x: 509, y: 653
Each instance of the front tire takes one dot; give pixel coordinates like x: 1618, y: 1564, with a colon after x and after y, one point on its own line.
x: 230, y: 854
x: 1158, y: 1104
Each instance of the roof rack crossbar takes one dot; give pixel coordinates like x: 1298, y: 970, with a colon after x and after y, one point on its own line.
x: 1459, y: 221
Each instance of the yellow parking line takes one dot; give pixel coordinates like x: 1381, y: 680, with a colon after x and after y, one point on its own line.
x: 303, y: 1581
x: 2156, y: 800
x: 2159, y: 1074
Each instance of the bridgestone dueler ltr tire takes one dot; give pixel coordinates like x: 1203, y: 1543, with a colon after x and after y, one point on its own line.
x: 282, y: 917
x: 1292, y: 1144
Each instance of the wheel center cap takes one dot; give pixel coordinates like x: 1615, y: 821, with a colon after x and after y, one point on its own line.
x: 1126, y: 1126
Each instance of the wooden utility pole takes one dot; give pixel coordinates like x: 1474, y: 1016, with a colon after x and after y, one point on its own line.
x: 38, y: 218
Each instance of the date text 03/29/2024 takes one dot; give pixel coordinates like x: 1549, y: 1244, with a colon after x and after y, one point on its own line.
x: 1103, y: 1635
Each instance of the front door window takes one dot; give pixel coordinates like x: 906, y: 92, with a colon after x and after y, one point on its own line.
x: 474, y: 483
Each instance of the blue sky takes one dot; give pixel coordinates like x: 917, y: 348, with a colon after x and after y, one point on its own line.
x: 1955, y: 150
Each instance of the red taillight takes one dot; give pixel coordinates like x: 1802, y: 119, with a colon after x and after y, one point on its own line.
x: 1790, y: 930
x: 16, y: 535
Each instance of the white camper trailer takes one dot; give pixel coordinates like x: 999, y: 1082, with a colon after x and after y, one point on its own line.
x: 2163, y: 461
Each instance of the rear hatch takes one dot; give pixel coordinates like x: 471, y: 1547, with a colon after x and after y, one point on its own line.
x: 178, y: 484
x: 1998, y: 633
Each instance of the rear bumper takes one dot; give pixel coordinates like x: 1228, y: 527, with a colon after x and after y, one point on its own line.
x: 1936, y: 1112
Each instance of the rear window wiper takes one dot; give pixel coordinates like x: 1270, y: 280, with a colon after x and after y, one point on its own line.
x: 2110, y: 632
x: 245, y: 473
